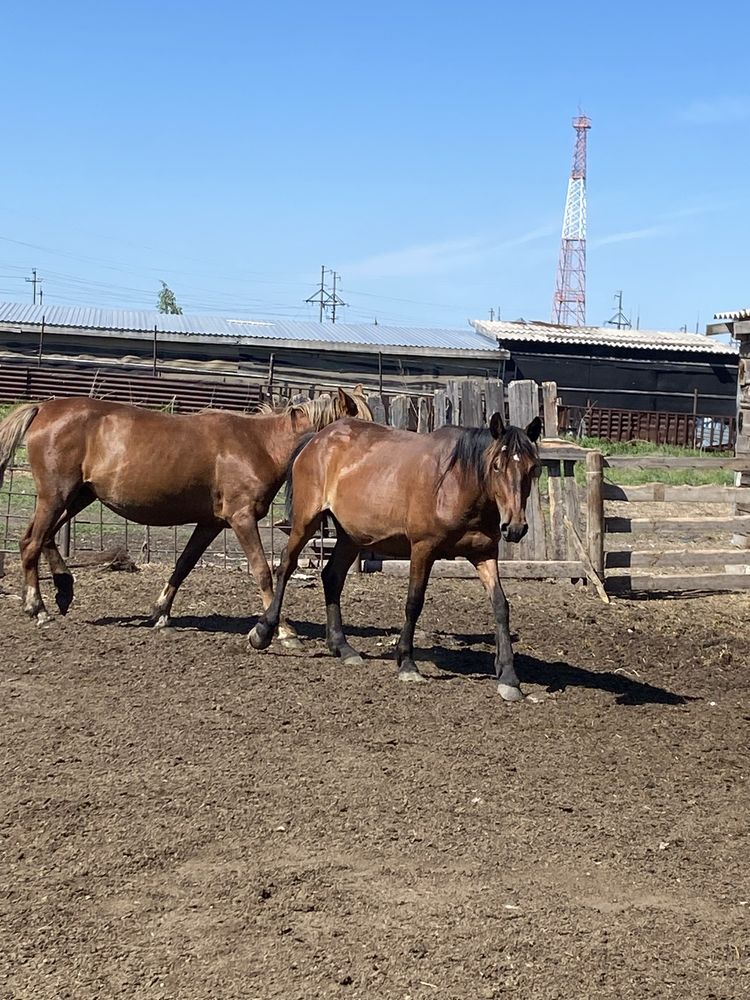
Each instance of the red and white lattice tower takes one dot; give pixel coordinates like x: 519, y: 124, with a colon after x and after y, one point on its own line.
x: 569, y: 304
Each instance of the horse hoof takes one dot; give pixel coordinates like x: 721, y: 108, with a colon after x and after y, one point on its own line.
x: 260, y: 637
x: 63, y: 591
x: 287, y: 641
x: 411, y: 677
x: 352, y: 659
x: 43, y: 619
x: 509, y: 693
x: 161, y: 621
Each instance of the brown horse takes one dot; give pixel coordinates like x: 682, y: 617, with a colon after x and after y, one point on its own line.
x: 214, y: 468
x: 454, y: 492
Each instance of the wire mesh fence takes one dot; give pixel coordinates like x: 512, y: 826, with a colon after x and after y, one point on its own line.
x: 98, y: 528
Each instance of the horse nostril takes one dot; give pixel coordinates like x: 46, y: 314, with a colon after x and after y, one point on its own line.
x: 503, y: 527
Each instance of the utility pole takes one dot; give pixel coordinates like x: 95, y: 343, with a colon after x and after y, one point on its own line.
x: 335, y: 300
x: 620, y: 320
x: 34, y: 281
x: 327, y: 299
x: 492, y: 315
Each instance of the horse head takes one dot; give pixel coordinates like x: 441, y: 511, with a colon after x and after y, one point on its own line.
x: 513, y: 462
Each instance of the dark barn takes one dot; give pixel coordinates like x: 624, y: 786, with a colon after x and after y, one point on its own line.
x: 623, y: 369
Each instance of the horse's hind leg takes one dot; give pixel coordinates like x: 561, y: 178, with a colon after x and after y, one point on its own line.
x: 202, y: 536
x: 420, y: 566
x: 303, y: 528
x: 334, y: 577
x: 36, y: 535
x: 61, y: 575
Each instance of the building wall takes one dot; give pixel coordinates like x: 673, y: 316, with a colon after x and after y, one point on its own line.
x: 653, y: 381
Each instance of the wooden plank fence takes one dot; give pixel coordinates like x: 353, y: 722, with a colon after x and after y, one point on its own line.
x: 728, y: 560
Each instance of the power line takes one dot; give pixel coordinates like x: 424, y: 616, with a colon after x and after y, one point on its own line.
x: 324, y: 298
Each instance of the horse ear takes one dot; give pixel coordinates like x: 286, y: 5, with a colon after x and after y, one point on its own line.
x: 347, y: 404
x: 496, y: 425
x: 358, y: 389
x: 534, y: 429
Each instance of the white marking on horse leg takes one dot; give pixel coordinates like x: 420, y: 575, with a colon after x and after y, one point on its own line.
x: 162, y: 600
x: 162, y: 621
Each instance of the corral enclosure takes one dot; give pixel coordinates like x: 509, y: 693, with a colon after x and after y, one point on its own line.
x: 183, y: 818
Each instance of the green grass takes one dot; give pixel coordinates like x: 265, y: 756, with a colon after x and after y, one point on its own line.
x: 673, y: 477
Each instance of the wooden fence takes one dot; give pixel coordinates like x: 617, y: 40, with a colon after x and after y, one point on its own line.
x: 141, y: 387
x: 710, y: 550
x: 571, y: 534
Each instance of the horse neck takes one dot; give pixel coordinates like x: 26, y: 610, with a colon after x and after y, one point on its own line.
x: 279, y: 435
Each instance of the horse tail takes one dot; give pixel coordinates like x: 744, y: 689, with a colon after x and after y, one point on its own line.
x: 12, y: 432
x: 301, y: 444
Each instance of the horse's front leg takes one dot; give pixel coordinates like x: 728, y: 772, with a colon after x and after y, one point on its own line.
x: 508, y: 685
x: 245, y: 526
x: 202, y: 536
x: 422, y: 559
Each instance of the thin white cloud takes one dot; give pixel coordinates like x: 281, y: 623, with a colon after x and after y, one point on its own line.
x: 649, y: 232
x: 717, y: 111
x: 437, y: 258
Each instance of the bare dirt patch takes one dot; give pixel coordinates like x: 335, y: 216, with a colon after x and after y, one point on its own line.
x: 183, y: 818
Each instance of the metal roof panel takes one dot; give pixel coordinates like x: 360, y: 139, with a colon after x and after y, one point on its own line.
x: 144, y: 321
x: 549, y: 333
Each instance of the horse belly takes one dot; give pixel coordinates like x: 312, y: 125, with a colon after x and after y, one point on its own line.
x: 158, y: 508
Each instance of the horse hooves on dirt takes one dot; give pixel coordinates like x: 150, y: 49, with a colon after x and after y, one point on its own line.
x: 161, y: 621
x: 63, y: 591
x: 259, y: 638
x: 411, y: 677
x: 352, y: 659
x: 509, y: 693
x: 290, y: 642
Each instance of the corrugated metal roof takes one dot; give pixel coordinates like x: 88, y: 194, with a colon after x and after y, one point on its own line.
x: 548, y: 333
x: 144, y: 321
x: 734, y: 314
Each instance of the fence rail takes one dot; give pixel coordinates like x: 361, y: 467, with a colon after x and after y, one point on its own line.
x: 687, y: 430
x: 728, y: 561
x: 569, y: 534
x: 182, y: 395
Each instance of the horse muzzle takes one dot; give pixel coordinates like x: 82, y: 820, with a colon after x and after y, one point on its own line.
x: 513, y: 532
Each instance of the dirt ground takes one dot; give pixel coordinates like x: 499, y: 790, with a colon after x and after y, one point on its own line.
x: 181, y: 817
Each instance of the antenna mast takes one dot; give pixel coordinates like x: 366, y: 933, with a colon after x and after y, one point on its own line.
x: 569, y: 303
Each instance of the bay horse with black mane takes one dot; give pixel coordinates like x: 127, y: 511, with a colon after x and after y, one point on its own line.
x: 214, y: 469
x: 454, y: 492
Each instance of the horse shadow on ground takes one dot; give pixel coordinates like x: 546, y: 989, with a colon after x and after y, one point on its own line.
x: 231, y: 625
x: 554, y: 675
x: 456, y: 658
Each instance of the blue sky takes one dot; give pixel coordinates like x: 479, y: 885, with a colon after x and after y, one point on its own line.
x: 420, y: 149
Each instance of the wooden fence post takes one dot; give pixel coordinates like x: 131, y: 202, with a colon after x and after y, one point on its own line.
x: 471, y: 404
x: 494, y: 396
x: 377, y: 406
x: 451, y: 388
x: 440, y: 409
x: 423, y: 416
x: 595, y: 510
x: 549, y: 400
x: 399, y: 415
x: 523, y: 402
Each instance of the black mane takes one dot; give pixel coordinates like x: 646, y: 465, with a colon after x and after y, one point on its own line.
x: 470, y: 452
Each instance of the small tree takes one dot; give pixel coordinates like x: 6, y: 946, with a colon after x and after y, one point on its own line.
x: 167, y: 302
